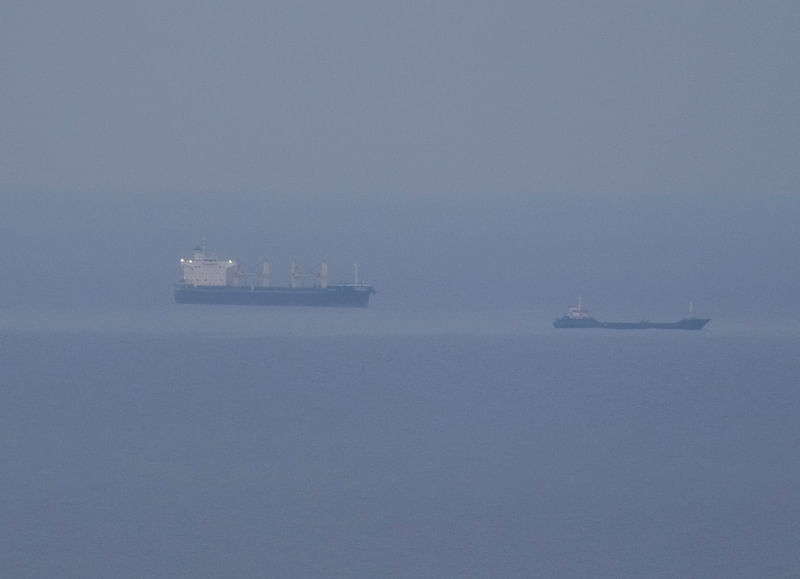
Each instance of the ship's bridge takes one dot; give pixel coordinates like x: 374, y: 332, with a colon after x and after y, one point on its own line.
x: 203, y: 269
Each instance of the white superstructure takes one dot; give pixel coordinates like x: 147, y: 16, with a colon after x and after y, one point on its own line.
x: 205, y: 269
x: 578, y: 312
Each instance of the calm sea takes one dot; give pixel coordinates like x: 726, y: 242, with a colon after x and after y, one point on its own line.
x: 228, y: 442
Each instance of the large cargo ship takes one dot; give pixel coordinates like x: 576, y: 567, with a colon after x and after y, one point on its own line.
x: 207, y: 279
x: 578, y: 317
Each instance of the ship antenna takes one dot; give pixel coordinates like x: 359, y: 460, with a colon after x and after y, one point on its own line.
x: 691, y: 309
x: 355, y: 273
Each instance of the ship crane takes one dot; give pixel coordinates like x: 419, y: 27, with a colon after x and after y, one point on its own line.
x: 297, y: 275
x: 207, y: 279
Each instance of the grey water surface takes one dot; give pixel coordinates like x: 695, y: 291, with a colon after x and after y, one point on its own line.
x: 319, y: 443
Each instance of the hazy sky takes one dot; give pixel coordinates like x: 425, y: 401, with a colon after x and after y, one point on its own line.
x: 426, y: 97
x: 568, y: 141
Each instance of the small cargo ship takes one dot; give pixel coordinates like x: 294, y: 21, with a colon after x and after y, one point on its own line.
x: 207, y: 279
x: 578, y: 317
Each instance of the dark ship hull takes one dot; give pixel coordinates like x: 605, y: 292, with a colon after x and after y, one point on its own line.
x: 684, y: 324
x: 331, y: 296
